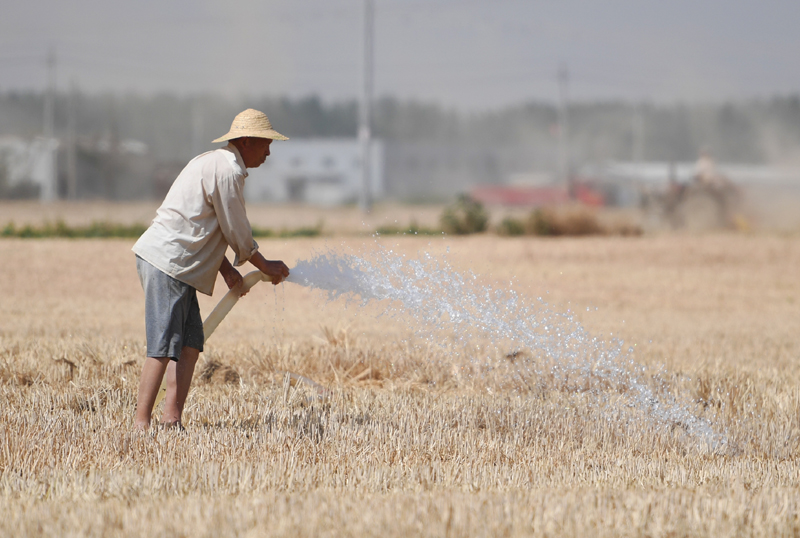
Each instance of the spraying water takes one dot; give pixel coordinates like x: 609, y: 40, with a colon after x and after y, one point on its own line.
x: 560, y: 351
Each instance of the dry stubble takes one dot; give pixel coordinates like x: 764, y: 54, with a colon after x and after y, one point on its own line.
x: 409, y: 441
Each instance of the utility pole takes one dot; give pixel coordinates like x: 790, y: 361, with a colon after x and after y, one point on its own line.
x: 72, y: 142
x: 111, y: 168
x: 197, y: 126
x: 50, y: 95
x: 49, y: 190
x: 563, y: 128
x: 365, y: 106
x: 638, y: 133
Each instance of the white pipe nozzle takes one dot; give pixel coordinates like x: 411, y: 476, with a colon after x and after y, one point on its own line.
x: 226, y: 303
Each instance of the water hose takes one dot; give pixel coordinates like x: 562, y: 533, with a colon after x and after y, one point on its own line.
x: 231, y: 298
x: 218, y: 314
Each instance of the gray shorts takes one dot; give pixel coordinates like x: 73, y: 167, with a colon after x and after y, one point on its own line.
x: 171, y: 313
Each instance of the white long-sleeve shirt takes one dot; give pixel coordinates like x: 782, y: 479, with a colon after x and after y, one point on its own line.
x: 202, y: 214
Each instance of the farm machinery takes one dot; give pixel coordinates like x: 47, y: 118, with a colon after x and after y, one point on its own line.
x: 697, y: 205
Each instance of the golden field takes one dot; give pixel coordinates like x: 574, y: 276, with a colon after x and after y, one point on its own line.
x: 405, y: 443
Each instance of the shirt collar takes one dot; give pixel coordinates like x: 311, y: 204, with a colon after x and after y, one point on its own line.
x: 233, y: 149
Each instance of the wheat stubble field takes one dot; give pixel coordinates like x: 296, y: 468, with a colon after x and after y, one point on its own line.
x: 405, y: 443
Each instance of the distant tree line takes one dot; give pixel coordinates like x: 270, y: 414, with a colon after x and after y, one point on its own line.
x: 175, y: 127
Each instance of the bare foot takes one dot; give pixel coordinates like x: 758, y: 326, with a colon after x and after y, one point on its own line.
x: 176, y: 425
x: 142, y: 426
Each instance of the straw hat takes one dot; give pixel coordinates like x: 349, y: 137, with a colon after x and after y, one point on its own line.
x: 251, y: 123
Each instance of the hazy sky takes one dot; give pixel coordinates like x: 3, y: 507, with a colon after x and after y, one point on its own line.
x: 464, y: 53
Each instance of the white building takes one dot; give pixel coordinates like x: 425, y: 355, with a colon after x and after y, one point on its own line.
x: 29, y: 164
x: 321, y: 171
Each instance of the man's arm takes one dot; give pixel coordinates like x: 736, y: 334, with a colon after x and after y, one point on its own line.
x: 232, y: 277
x: 228, y: 200
x: 275, y: 269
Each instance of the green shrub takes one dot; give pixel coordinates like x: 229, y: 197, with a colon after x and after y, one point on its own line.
x: 511, y: 227
x: 465, y: 216
x: 540, y: 222
x: 262, y: 232
x: 60, y: 229
x: 306, y: 231
x: 412, y: 229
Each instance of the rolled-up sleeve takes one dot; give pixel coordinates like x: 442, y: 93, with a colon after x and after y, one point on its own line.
x: 228, y: 201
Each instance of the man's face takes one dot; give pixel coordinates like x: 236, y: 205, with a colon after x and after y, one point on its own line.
x: 255, y: 151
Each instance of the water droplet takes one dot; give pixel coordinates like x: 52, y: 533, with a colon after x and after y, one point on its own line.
x: 457, y: 314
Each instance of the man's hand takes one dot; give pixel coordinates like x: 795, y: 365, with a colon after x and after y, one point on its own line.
x: 276, y: 270
x: 232, y: 277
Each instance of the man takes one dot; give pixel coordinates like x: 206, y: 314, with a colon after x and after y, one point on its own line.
x: 181, y: 252
x: 705, y: 171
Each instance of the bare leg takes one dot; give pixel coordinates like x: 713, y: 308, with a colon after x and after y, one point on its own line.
x: 179, y: 379
x: 149, y: 385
